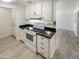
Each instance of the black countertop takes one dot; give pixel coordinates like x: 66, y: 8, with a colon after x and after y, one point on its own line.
x: 47, y: 32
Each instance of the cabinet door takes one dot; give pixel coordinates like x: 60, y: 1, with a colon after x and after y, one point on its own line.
x: 27, y: 12
x: 32, y: 11
x: 42, y: 46
x: 38, y: 9
x: 22, y: 35
x: 35, y: 10
x: 47, y: 10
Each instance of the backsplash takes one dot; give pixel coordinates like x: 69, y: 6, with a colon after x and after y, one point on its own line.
x: 47, y: 23
x: 39, y: 21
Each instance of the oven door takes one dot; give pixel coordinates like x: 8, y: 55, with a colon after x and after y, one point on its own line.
x: 31, y: 39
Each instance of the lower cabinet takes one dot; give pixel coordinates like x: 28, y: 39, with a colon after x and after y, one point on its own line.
x: 45, y: 46
x: 22, y: 35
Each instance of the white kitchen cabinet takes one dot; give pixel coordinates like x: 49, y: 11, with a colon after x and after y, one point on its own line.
x: 27, y: 10
x: 35, y: 10
x: 47, y: 10
x: 32, y: 11
x: 46, y: 47
x: 42, y: 9
x: 38, y: 9
x: 22, y: 35
x: 42, y: 46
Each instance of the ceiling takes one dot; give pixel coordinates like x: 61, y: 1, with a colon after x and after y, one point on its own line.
x: 24, y: 2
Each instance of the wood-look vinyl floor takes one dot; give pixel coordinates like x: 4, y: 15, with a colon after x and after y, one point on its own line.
x: 67, y: 45
x: 67, y: 48
x: 10, y: 48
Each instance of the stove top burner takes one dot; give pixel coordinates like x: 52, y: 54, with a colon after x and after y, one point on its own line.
x: 36, y: 30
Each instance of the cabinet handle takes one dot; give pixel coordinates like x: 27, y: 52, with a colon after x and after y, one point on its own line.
x: 42, y: 38
x: 42, y: 43
x: 42, y: 48
x: 42, y: 53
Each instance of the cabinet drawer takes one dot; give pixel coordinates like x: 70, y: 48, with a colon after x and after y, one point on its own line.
x: 43, y: 54
x: 41, y: 44
x: 44, y: 50
x: 42, y: 39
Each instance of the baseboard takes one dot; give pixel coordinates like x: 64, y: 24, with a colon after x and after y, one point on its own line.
x: 52, y: 55
x: 66, y: 31
x: 5, y: 35
x: 13, y: 36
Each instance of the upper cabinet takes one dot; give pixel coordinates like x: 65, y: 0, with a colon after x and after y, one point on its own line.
x: 47, y: 10
x: 35, y: 10
x: 38, y: 9
x: 27, y: 10
x: 32, y: 11
x: 43, y: 9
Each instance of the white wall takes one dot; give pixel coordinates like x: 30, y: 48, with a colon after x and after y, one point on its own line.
x: 78, y: 23
x: 65, y: 15
x: 8, y: 5
x: 5, y: 22
x: 6, y: 29
x: 18, y: 7
x: 21, y: 16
